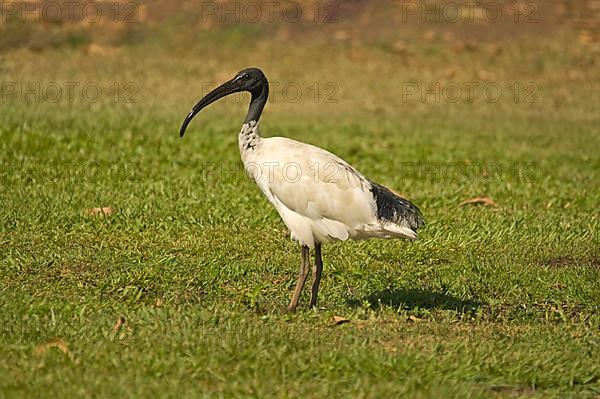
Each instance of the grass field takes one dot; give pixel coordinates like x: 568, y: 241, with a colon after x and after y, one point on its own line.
x: 492, y: 301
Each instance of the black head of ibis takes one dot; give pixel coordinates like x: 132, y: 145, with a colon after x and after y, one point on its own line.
x: 252, y: 80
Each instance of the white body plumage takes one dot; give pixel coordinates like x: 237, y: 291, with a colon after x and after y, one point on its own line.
x: 318, y: 195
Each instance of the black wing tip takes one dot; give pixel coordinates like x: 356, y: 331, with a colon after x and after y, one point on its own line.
x: 393, y: 208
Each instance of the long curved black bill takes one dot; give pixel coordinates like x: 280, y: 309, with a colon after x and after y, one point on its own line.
x: 225, y: 89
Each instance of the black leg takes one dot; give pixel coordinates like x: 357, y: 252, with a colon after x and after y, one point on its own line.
x: 302, y: 275
x: 317, y: 272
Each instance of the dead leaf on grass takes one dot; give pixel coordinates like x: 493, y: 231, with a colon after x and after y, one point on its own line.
x: 57, y: 343
x: 413, y: 318
x: 341, y: 35
x: 479, y: 201
x: 104, y: 211
x: 389, y: 347
x: 429, y: 35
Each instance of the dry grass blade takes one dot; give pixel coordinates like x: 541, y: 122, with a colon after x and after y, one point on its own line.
x: 58, y: 343
x: 479, y: 201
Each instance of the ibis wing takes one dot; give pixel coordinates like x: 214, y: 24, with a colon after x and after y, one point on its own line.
x: 317, y: 184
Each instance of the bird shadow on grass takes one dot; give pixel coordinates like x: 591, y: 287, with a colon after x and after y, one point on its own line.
x: 411, y: 299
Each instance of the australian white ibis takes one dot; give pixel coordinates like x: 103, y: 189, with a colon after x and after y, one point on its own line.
x: 319, y: 196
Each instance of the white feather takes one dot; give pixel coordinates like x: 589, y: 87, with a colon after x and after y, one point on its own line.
x: 318, y: 195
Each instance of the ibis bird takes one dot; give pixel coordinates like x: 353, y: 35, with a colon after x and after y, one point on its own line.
x: 318, y: 195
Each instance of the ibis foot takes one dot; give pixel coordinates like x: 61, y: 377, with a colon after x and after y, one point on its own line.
x: 302, y: 275
x: 317, y: 272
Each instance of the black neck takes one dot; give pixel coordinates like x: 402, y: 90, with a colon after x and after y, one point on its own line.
x: 259, y: 99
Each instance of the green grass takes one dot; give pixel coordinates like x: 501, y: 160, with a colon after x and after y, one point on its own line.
x: 492, y: 301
